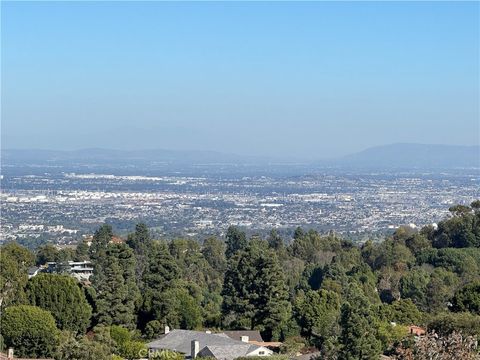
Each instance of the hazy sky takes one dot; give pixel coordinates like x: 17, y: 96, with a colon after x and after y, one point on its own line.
x: 300, y: 79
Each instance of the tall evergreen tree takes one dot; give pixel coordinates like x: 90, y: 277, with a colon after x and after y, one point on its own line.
x: 274, y: 240
x: 161, y: 273
x: 358, y: 338
x: 255, y: 295
x: 127, y: 261
x: 236, y: 240
x: 318, y: 313
x: 101, y: 239
x: 46, y: 253
x: 113, y: 302
x: 214, y: 252
x: 140, y: 242
x: 82, y: 252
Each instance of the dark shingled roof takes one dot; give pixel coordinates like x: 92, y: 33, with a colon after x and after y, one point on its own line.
x: 225, y: 352
x: 220, y: 344
x: 253, y: 335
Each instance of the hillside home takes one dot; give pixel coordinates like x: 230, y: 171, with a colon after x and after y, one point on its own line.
x: 196, y: 343
x: 81, y: 270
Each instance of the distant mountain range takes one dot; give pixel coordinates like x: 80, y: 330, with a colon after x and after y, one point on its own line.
x: 414, y: 156
x: 124, y: 156
x: 408, y: 156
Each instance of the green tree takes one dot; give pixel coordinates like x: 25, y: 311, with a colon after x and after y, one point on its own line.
x: 391, y: 253
x: 459, y: 210
x: 402, y: 311
x: 161, y: 273
x: 214, y: 252
x: 417, y: 242
x: 389, y: 279
x: 236, y: 240
x: 83, y: 348
x: 359, y: 333
x: 14, y: 263
x: 459, y: 231
x: 475, y: 205
x: 390, y: 334
x: 367, y: 280
x: 177, y: 308
x: 82, y: 252
x: 446, y: 323
x: 63, y: 297
x: 65, y: 255
x: 440, y: 289
x: 127, y: 262
x: 31, y: 331
x: 193, y: 266
x: 133, y: 349
x: 274, y: 240
x: 46, y: 253
x: 318, y: 313
x: 413, y: 285
x: 468, y: 298
x: 127, y: 346
x: 114, y: 304
x: 153, y: 329
x: 464, y: 262
x: 313, y: 248
x: 255, y: 294
x: 292, y: 346
x: 101, y: 239
x: 140, y: 242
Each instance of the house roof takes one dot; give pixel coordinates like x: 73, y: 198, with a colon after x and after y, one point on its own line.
x: 217, y: 344
x: 226, y: 352
x: 253, y: 335
x: 32, y: 270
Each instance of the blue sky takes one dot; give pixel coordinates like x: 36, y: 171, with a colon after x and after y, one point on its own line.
x: 307, y: 80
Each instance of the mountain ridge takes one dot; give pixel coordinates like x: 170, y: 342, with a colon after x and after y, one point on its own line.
x: 414, y: 155
x: 397, y: 155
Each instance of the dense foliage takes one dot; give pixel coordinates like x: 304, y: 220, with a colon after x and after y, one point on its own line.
x: 346, y: 300
x: 64, y: 298
x: 30, y: 330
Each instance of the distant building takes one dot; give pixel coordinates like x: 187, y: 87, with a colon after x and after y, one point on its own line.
x: 195, y: 344
x: 33, y: 271
x: 81, y: 270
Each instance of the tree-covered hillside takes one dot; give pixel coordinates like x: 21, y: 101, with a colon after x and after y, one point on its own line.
x: 313, y: 292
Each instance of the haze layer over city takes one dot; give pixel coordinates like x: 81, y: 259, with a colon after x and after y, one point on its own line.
x: 54, y: 199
